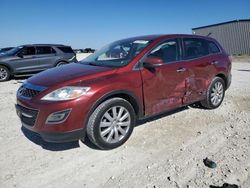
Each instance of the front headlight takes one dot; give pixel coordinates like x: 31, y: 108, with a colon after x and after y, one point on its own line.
x: 66, y: 93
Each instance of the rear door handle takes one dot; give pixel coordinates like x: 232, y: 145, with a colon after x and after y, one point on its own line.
x: 214, y: 62
x: 181, y: 70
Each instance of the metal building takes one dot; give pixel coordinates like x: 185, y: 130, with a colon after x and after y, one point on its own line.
x: 234, y: 35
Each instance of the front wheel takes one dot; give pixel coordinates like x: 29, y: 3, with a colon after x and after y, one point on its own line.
x: 215, y: 94
x: 61, y: 64
x: 111, y: 124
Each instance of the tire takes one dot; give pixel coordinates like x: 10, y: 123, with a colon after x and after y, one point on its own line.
x: 111, y: 123
x: 61, y: 64
x: 215, y: 94
x: 4, y: 73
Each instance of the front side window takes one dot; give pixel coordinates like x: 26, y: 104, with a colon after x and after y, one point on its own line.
x: 28, y: 51
x: 167, y: 51
x: 195, y: 48
x: 116, y: 54
x: 44, y: 50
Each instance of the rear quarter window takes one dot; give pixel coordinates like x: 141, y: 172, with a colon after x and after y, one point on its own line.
x: 213, y: 48
x: 66, y: 49
x: 195, y: 47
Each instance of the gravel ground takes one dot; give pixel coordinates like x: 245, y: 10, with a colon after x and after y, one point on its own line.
x: 163, y: 152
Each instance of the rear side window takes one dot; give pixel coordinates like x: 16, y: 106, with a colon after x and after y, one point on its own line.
x: 195, y: 48
x: 168, y: 51
x: 66, y: 49
x: 45, y: 50
x: 213, y: 48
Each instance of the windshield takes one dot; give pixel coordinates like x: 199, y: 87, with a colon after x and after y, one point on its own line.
x: 116, y: 54
x: 13, y: 51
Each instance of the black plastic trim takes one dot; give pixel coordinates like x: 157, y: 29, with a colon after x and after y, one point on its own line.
x: 63, y: 137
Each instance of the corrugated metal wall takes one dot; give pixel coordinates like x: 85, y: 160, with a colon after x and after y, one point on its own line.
x: 234, y: 36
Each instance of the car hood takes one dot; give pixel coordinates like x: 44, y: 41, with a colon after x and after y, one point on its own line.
x: 5, y: 57
x: 74, y: 72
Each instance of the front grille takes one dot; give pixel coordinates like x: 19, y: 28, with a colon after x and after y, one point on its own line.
x: 28, y: 116
x: 26, y: 92
x: 29, y: 90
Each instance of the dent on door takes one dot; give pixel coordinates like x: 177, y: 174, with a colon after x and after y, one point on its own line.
x: 196, y: 83
x: 164, y: 89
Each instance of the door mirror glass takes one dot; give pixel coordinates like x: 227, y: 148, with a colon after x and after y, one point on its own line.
x: 20, y: 54
x: 152, y: 62
x: 155, y: 61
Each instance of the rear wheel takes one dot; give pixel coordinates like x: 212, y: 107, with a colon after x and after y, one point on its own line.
x: 4, y: 73
x: 215, y: 94
x: 111, y: 124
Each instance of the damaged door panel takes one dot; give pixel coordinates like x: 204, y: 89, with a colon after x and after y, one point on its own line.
x: 199, y: 68
x: 164, y: 86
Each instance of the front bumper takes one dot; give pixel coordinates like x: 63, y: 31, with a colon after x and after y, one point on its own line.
x: 34, y: 114
x: 60, y: 137
x: 28, y: 118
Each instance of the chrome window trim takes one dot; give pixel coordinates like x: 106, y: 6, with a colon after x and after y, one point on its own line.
x: 200, y: 57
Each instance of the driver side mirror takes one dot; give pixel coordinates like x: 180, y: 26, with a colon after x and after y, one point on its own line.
x: 20, y: 55
x: 152, y: 62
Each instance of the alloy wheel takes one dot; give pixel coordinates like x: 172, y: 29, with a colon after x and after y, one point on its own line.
x: 3, y: 74
x: 217, y: 93
x: 115, y: 124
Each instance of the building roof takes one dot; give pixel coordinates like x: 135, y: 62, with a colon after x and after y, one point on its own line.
x: 233, y: 21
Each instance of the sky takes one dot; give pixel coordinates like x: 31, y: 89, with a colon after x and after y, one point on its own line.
x: 94, y: 23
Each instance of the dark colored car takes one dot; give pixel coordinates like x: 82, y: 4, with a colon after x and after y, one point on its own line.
x: 30, y: 59
x: 104, y: 95
x: 86, y: 50
x: 3, y: 50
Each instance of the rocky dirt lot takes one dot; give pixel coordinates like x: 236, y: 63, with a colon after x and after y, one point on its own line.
x: 167, y: 151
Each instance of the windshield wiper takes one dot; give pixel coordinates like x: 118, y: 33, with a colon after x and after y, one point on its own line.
x: 89, y: 63
x: 94, y: 64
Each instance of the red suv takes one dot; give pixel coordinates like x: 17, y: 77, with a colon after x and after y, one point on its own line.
x: 104, y: 95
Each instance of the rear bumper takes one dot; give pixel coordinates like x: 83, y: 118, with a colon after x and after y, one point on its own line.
x: 229, y: 80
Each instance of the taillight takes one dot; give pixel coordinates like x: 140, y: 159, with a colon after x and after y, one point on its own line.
x: 230, y: 57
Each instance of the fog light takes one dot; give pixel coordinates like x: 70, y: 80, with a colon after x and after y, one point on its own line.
x: 58, y: 117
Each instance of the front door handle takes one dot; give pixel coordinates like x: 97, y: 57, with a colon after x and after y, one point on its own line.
x: 181, y: 69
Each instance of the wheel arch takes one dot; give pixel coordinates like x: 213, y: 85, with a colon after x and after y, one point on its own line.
x: 130, y: 97
x: 61, y: 61
x: 8, y: 67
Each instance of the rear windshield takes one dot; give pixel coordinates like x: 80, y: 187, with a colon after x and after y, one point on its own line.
x: 66, y: 49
